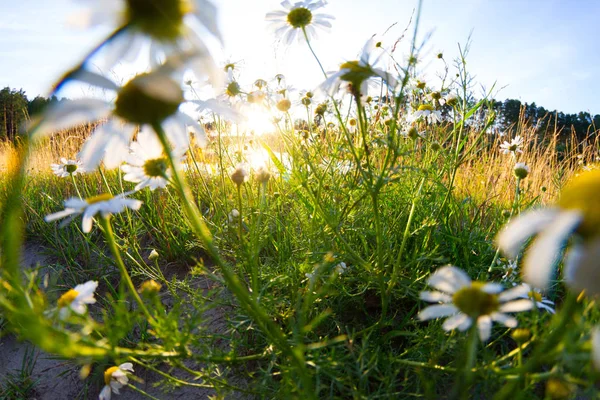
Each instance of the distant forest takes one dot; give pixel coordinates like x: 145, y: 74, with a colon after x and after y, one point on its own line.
x: 16, y: 108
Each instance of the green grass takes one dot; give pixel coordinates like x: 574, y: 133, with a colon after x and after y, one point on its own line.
x: 293, y: 325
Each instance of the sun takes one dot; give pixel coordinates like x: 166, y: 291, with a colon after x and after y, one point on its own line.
x: 259, y: 121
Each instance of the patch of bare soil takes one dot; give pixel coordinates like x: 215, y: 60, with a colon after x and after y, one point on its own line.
x: 59, y: 379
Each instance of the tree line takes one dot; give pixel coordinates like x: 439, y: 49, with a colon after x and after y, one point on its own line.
x: 16, y: 109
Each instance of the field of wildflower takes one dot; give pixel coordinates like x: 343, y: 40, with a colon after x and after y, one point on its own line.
x: 373, y: 237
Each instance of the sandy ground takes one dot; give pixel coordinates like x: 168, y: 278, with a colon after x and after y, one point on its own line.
x: 59, y: 379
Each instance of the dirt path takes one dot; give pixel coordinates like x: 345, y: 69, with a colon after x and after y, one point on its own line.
x: 59, y: 379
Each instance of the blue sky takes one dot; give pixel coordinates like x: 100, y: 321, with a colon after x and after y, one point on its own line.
x: 536, y: 50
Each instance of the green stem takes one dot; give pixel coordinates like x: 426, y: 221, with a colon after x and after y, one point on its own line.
x: 229, y: 276
x: 405, y: 236
x: 112, y: 244
x: 539, y: 354
x: 466, y: 374
x: 75, y: 186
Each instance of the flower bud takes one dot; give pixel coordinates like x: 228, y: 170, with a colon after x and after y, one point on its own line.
x: 149, y: 287
x: 240, y: 175
x: 153, y: 255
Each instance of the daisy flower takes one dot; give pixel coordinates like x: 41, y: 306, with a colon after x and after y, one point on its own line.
x: 539, y: 300
x: 358, y: 74
x: 340, y: 268
x: 67, y: 168
x: 76, y: 299
x: 513, y: 147
x: 106, y: 204
x: 521, y: 170
x: 164, y: 27
x: 298, y: 18
x: 511, y: 271
x: 576, y: 216
x: 147, y: 165
x: 147, y: 99
x: 465, y: 302
x: 428, y: 113
x: 114, y: 379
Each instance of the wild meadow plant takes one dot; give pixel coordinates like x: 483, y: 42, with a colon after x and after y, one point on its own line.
x: 317, y: 240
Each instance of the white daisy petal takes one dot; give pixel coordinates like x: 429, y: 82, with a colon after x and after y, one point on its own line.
x: 504, y: 319
x: 582, y: 267
x: 484, y: 325
x: 515, y: 292
x: 435, y: 297
x: 454, y: 321
x: 542, y: 256
x: 492, y: 288
x: 516, y: 306
x: 596, y: 347
x: 513, y: 236
x: 449, y: 279
x: 437, y: 311
x: 106, y: 393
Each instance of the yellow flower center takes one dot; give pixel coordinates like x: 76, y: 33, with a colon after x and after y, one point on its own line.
x: 299, y: 17
x: 67, y: 298
x: 321, y: 109
x: 436, y: 95
x: 535, y: 296
x: 108, y: 374
x: 356, y: 73
x: 233, y: 89
x: 150, y: 287
x: 582, y: 194
x: 156, y: 168
x: 160, y: 19
x: 99, y: 198
x: 284, y: 105
x: 474, y: 302
x: 256, y: 97
x: 425, y: 107
x: 135, y: 105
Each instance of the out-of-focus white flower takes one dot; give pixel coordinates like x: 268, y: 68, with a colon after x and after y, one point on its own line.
x: 76, y: 299
x: 114, y: 379
x: 163, y: 27
x: 340, y: 268
x: 233, y: 215
x: 576, y: 216
x: 450, y: 99
x: 106, y: 204
x: 290, y: 23
x: 147, y: 165
x: 150, y: 98
x: 427, y: 112
x: 359, y: 73
x: 465, y: 302
x: 67, y: 168
x: 513, y: 147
